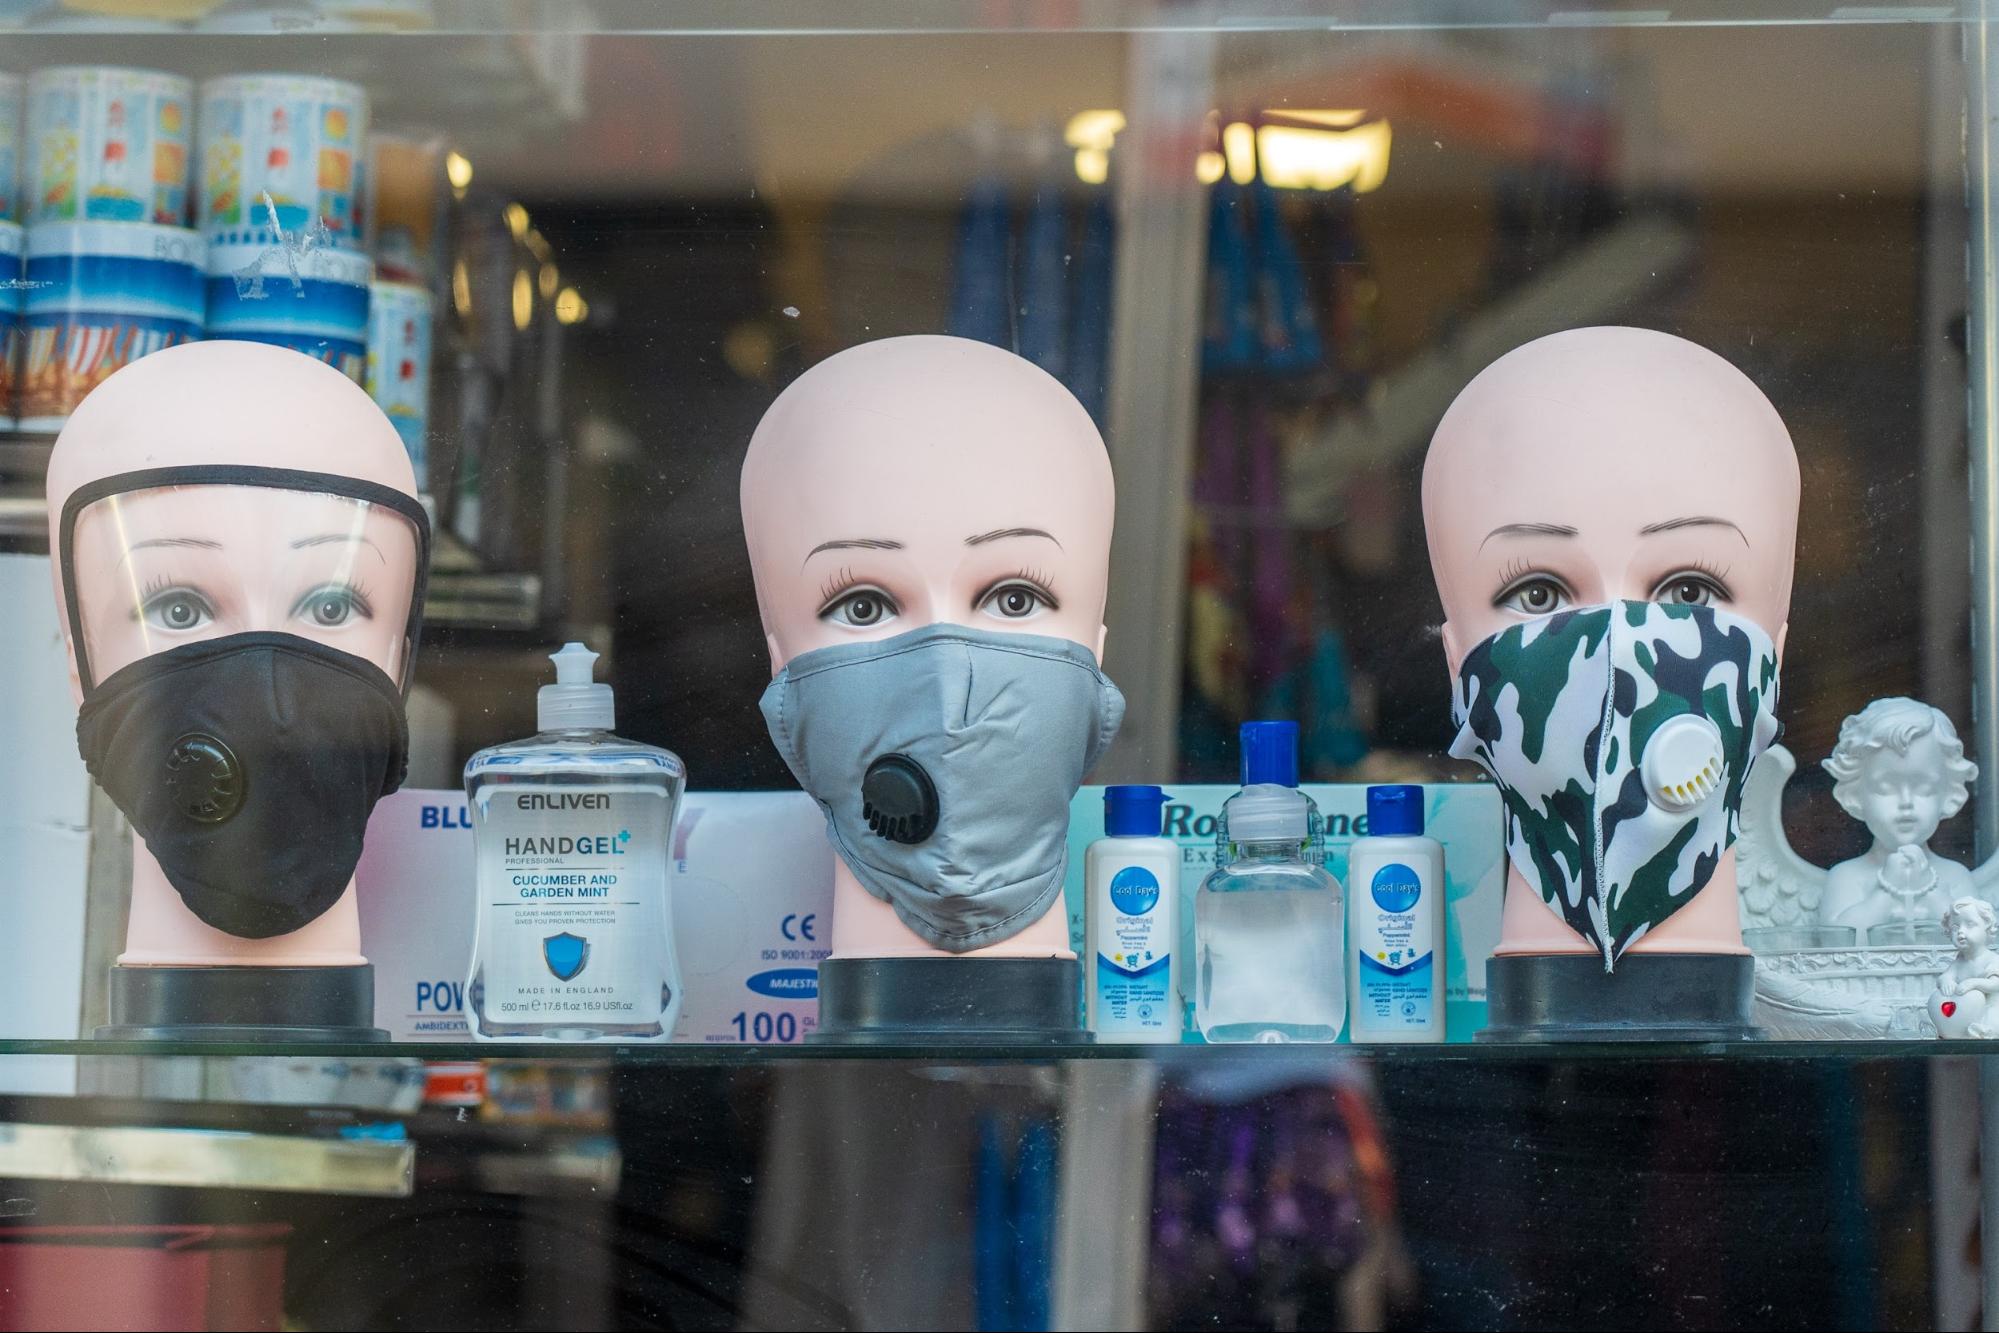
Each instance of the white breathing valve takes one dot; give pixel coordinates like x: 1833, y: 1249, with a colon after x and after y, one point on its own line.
x: 1682, y: 766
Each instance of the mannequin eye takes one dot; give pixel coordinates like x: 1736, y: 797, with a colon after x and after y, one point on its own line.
x: 177, y: 610
x: 1016, y: 600
x: 1535, y: 595
x: 1690, y: 587
x: 333, y: 606
x: 861, y: 608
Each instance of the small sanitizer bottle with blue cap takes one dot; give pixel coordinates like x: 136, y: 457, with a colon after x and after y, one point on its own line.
x: 1131, y: 885
x: 571, y: 825
x: 1395, y: 922
x: 1269, y: 927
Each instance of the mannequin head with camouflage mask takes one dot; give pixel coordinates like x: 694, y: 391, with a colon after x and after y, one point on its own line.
x: 1612, y: 522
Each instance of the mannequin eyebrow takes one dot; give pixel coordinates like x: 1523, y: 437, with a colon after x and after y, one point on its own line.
x: 329, y: 538
x: 201, y: 542
x: 853, y: 544
x: 998, y: 534
x: 1691, y: 521
x: 1529, y: 530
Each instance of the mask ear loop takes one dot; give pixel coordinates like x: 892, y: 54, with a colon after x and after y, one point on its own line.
x: 271, y: 478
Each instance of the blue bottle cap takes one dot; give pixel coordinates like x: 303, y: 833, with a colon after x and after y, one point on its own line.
x: 1394, y: 812
x: 1133, y: 812
x: 1270, y: 753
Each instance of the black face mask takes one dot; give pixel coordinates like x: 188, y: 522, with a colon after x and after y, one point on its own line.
x: 249, y: 763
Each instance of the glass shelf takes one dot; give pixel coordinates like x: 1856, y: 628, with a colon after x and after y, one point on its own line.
x: 1189, y: 1056
x: 813, y: 18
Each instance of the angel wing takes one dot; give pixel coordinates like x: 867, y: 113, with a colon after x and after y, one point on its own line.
x: 1778, y: 887
x: 1797, y: 1009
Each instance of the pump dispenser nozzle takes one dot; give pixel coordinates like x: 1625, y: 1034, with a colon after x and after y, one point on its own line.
x: 574, y: 702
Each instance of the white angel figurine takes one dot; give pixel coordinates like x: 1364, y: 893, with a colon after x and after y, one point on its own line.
x: 1900, y: 769
x: 1962, y: 1004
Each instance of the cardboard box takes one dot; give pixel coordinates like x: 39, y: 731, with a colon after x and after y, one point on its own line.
x: 44, y: 832
x: 751, y: 886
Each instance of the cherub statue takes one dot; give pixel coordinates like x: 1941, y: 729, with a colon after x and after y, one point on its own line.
x: 1961, y: 1005
x: 1900, y: 769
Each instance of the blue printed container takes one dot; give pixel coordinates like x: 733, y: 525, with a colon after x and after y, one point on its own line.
x: 271, y: 287
x: 288, y: 145
x: 11, y: 297
x: 399, y: 363
x: 107, y: 145
x: 13, y: 100
x: 99, y: 296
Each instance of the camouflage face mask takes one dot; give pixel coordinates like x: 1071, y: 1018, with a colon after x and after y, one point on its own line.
x: 1620, y: 737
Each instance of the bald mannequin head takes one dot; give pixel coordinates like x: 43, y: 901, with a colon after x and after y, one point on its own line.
x: 240, y: 558
x: 1609, y: 464
x: 227, y: 402
x: 920, y: 480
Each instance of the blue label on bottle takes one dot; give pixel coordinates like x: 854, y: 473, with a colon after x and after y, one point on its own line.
x: 1134, y: 891
x: 1395, y: 991
x: 1135, y: 1001
x: 1395, y: 888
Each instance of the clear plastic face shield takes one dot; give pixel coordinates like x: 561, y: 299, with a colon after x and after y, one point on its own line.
x: 155, y: 561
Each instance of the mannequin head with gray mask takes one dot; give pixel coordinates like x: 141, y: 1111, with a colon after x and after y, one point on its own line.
x: 929, y: 524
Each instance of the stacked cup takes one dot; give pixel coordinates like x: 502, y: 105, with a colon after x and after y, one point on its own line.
x: 281, y: 200
x: 404, y: 176
x: 112, y: 272
x: 11, y: 100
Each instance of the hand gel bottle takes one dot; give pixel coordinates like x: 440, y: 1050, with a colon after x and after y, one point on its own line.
x: 1395, y: 922
x: 1131, y: 886
x: 1268, y: 921
x: 572, y: 826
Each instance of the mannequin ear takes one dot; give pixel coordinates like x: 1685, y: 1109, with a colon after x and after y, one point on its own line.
x: 1955, y: 801
x: 1843, y: 793
x: 776, y: 654
x: 1454, y: 653
x: 1783, y: 633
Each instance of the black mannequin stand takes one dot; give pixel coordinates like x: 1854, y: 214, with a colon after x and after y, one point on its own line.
x: 950, y: 1001
x: 1650, y: 997
x: 274, y: 1005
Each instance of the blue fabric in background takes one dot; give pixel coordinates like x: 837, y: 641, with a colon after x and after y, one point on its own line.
x: 1044, y: 282
x: 1090, y: 336
x: 981, y: 288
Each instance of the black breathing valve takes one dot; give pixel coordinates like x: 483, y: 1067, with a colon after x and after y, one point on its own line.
x: 205, y: 777
x: 899, y: 800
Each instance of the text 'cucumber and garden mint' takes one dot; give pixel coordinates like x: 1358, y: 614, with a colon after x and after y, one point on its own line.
x: 575, y: 922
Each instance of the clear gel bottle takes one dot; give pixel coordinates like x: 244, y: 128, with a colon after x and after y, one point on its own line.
x: 1269, y: 924
x: 572, y: 829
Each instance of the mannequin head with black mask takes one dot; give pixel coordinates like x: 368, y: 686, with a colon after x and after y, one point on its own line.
x: 239, y: 559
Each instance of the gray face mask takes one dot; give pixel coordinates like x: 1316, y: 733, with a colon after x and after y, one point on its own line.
x: 945, y: 759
